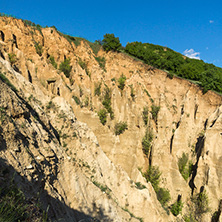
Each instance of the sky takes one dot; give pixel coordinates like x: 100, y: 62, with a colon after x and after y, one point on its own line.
x: 193, y: 28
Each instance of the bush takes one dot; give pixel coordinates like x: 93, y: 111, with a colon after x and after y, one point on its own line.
x: 145, y: 114
x: 65, y: 67
x: 102, y: 116
x: 120, y: 127
x: 97, y: 91
x: 132, y: 92
x: 107, y: 101
x: 102, y: 62
x: 146, y: 142
x: 52, y: 61
x: 140, y: 186
x: 154, y: 112
x: 77, y: 100
x: 110, y: 42
x: 152, y: 175
x: 38, y: 48
x: 201, y: 202
x: 163, y: 195
x: 185, y: 166
x: 12, y: 58
x: 176, y: 208
x: 121, y: 81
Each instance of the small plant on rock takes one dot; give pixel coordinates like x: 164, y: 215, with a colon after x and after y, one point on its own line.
x: 145, y: 114
x: 102, y: 116
x: 120, y: 127
x: 147, y: 140
x: 121, y: 81
x: 65, y: 67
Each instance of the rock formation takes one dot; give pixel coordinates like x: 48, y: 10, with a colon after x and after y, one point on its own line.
x: 52, y: 138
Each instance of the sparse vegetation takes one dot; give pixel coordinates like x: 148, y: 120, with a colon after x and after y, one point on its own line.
x: 12, y: 58
x: 120, y: 128
x: 176, y: 208
x: 6, y: 81
x: 121, y: 81
x: 201, y: 202
x: 152, y: 175
x: 38, y: 48
x: 154, y: 111
x: 199, y: 206
x: 185, y: 166
x: 132, y: 92
x: 83, y: 65
x: 52, y: 61
x: 97, y: 91
x: 145, y: 114
x: 50, y: 105
x: 102, y: 62
x: 15, y: 207
x: 140, y: 186
x: 77, y: 100
x: 107, y: 101
x: 65, y: 67
x: 147, y: 141
x: 102, y: 116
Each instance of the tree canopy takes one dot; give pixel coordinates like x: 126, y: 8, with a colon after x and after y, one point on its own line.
x: 110, y: 42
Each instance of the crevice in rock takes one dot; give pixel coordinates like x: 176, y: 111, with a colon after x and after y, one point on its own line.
x: 198, y: 149
x: 150, y: 156
x: 205, y: 124
x: 58, y: 92
x: 171, y: 144
x: 15, y: 41
x: 182, y: 110
x: 213, y: 122
x: 195, y: 111
x: 16, y: 69
x: 1, y: 54
x: 2, y: 35
x: 30, y: 77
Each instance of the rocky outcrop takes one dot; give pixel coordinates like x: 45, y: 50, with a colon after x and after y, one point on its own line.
x: 53, y: 139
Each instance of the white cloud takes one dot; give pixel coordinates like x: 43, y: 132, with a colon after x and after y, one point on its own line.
x: 192, y: 54
x: 211, y: 21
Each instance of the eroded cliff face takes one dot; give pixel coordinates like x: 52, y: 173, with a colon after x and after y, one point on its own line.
x: 79, y: 167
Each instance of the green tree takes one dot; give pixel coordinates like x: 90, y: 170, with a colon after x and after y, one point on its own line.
x: 110, y: 42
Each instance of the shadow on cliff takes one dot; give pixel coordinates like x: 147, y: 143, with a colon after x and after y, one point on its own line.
x: 34, y: 192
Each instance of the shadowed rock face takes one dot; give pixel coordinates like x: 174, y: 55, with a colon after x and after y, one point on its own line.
x: 52, y: 137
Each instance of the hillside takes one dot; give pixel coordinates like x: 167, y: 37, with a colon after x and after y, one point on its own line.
x: 81, y: 127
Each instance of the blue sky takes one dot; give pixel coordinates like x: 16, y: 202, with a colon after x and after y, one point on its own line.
x: 190, y: 27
